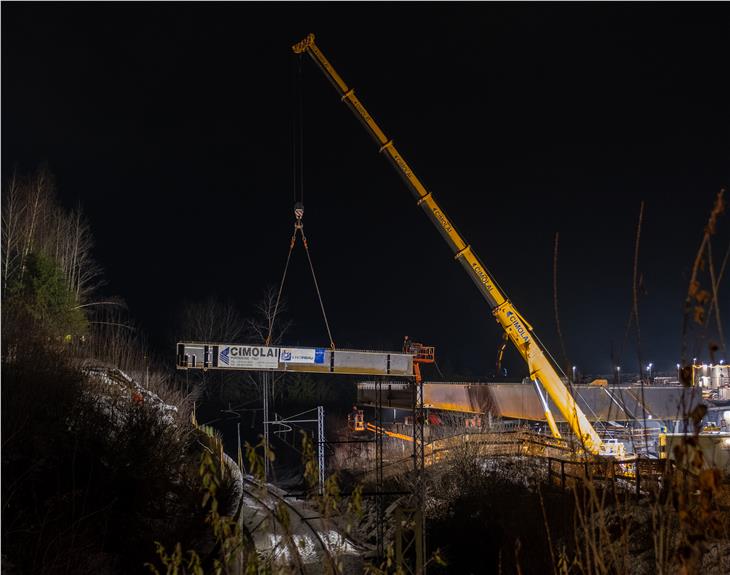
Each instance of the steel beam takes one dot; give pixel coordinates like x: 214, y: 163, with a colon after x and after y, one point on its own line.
x: 227, y: 356
x: 521, y: 401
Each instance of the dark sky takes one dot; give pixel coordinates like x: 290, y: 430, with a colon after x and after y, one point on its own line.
x: 172, y: 125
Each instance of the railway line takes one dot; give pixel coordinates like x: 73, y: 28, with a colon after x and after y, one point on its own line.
x: 289, y: 534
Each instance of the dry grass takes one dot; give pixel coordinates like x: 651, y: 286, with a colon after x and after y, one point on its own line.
x: 93, y: 471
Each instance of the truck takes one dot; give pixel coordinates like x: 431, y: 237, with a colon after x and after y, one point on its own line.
x: 518, y: 330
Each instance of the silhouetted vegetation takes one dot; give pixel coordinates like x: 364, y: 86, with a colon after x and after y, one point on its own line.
x: 96, y: 468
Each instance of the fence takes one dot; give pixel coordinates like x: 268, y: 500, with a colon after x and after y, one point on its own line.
x: 640, y: 473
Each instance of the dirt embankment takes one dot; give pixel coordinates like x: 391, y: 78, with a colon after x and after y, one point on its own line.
x: 96, y: 470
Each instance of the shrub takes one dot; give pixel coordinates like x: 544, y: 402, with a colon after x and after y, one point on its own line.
x: 91, y: 477
x: 40, y: 294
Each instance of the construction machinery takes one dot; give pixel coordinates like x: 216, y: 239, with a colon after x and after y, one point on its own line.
x: 421, y: 354
x: 356, y: 420
x: 518, y: 330
x: 377, y: 429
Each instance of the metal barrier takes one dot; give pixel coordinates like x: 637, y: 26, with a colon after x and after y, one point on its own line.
x: 641, y: 472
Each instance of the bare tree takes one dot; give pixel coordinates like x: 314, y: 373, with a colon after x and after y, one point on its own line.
x: 267, y: 321
x: 13, y: 209
x: 82, y: 271
x: 698, y: 298
x: 267, y: 324
x: 211, y: 320
x: 116, y: 340
x: 39, y: 191
x: 34, y: 222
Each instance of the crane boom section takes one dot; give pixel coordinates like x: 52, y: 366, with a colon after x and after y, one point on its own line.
x: 464, y: 254
x: 518, y: 330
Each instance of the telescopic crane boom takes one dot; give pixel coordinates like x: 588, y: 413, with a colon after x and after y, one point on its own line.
x: 516, y: 327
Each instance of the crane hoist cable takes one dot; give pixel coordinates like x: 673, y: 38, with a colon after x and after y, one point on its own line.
x: 298, y: 140
x: 299, y: 229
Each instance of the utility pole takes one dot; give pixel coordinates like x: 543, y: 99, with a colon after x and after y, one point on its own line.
x: 265, y: 380
x: 320, y: 447
x: 239, y: 453
x: 321, y: 440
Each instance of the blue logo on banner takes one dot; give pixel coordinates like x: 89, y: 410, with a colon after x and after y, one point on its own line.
x: 285, y: 356
x: 319, y: 355
x: 223, y: 355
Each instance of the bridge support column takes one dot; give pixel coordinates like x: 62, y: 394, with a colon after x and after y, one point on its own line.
x: 379, y: 480
x: 410, y: 520
x: 419, y: 454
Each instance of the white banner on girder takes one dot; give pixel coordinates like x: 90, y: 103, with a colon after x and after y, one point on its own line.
x: 299, y: 355
x: 254, y: 357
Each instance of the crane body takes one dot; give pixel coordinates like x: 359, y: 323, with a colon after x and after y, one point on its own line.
x: 517, y: 329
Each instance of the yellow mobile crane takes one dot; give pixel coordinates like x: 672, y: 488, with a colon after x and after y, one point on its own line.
x: 516, y: 327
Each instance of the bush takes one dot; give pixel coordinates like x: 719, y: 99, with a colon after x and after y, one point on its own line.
x: 91, y: 476
x: 40, y: 295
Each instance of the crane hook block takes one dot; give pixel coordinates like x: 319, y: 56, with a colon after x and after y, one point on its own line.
x: 302, y: 46
x: 299, y: 211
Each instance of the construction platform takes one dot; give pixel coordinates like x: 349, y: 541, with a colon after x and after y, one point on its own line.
x: 521, y: 401
x: 228, y: 356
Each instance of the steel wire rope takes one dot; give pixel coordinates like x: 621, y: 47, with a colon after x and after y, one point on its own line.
x: 316, y: 287
x: 296, y: 181
x: 300, y: 125
x: 556, y: 365
x: 577, y: 391
x: 298, y: 177
x: 272, y: 318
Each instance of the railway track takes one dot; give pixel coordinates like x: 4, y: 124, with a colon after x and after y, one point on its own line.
x: 297, y: 540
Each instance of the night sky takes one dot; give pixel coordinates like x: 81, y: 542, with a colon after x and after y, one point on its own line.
x: 172, y: 125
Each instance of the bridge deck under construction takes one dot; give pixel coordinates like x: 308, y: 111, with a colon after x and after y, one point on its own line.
x: 226, y: 356
x: 520, y: 401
